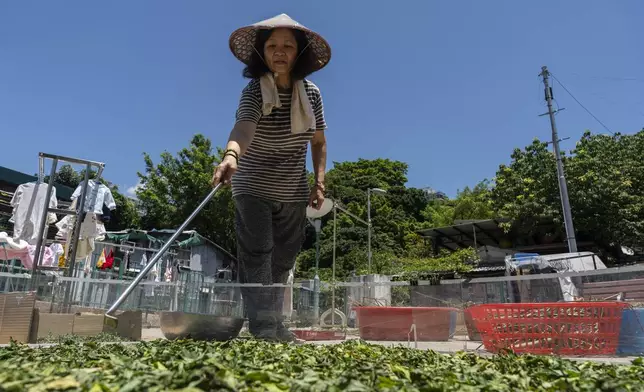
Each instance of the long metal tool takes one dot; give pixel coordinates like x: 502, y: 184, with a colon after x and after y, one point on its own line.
x: 110, y: 319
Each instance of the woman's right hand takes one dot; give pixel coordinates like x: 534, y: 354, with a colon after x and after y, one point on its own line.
x: 225, y: 170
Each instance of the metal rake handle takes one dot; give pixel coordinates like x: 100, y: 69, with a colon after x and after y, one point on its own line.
x: 160, y: 253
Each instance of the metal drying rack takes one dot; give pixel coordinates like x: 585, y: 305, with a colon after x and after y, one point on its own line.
x: 72, y: 242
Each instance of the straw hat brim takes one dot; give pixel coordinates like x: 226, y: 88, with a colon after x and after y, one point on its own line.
x: 242, y: 40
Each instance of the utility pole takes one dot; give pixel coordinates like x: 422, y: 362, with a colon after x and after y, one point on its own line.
x: 563, y: 188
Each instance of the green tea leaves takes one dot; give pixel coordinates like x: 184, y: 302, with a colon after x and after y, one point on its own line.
x: 247, y: 365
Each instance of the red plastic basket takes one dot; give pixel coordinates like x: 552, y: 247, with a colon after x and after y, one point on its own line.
x: 563, y: 328
x: 386, y: 323
x: 472, y: 333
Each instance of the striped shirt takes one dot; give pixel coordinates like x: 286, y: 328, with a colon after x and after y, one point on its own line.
x: 274, y: 165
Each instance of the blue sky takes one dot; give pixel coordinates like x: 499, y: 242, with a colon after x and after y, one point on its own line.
x: 449, y: 87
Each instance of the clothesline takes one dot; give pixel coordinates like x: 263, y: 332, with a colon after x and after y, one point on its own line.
x: 128, y: 246
x: 28, y: 208
x: 116, y: 245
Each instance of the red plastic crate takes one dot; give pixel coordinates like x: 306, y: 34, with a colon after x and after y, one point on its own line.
x: 472, y: 333
x: 317, y: 335
x: 563, y: 328
x: 384, y: 323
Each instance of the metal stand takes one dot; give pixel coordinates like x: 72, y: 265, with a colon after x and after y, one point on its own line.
x: 336, y: 207
x: 317, y: 224
x: 333, y: 287
x: 78, y: 212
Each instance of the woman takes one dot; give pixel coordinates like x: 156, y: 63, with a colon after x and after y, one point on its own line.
x: 279, y: 114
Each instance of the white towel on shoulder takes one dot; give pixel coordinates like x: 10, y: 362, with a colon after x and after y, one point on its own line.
x: 302, y: 116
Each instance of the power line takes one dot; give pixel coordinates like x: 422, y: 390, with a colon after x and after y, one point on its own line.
x: 611, y: 78
x: 580, y: 104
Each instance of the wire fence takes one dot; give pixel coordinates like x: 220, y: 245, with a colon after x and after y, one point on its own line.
x: 525, y: 313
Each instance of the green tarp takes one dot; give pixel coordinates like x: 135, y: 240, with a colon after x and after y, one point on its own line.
x: 131, y: 235
x: 193, y: 240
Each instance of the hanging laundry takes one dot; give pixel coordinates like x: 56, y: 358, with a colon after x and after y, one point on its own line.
x: 144, y: 261
x: 57, y: 249
x: 96, y: 196
x: 61, y: 258
x: 167, y: 276
x: 64, y: 227
x: 7, y: 253
x: 101, y: 260
x: 87, y: 265
x: 157, y: 271
x: 109, y: 260
x: 11, y: 249
x: 106, y: 216
x: 29, y: 206
x: 125, y: 263
x: 11, y: 243
x: 91, y: 230
x: 148, y: 289
x: 46, y: 261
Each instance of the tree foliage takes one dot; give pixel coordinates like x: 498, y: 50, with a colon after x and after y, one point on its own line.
x: 605, y: 177
x: 396, y: 218
x: 527, y: 190
x: 171, y: 189
x: 605, y: 180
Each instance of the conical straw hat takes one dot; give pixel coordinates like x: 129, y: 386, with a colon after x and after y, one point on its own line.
x: 242, y: 40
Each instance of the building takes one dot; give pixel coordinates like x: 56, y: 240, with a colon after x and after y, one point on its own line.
x: 192, y: 251
x: 494, y: 243
x: 434, y: 194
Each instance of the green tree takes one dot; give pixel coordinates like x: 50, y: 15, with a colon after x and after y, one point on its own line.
x: 605, y: 177
x: 171, y: 189
x: 469, y: 204
x: 526, y: 190
x: 439, y: 213
x: 395, y: 218
x: 125, y: 216
x: 474, y: 203
x: 67, y: 176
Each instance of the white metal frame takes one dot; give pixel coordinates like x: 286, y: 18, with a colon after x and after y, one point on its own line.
x: 78, y: 212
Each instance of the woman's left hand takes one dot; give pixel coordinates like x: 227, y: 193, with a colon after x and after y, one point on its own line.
x: 316, y: 198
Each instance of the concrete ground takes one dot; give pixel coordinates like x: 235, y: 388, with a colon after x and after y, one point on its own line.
x: 458, y: 343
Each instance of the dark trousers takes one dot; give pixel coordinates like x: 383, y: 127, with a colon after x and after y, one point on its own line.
x: 269, y: 237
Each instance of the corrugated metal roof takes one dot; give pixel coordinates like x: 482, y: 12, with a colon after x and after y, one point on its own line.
x: 490, y: 268
x: 474, y: 234
x: 470, y: 234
